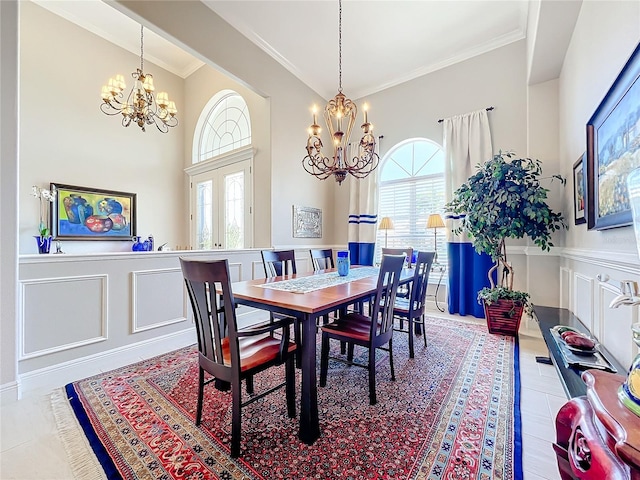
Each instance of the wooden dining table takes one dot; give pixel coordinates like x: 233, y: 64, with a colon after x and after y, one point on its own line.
x: 308, y: 307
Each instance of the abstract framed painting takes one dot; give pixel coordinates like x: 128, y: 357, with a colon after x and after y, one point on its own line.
x: 579, y: 186
x: 83, y: 213
x: 613, y: 149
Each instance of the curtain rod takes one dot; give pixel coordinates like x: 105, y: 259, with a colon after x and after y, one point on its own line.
x: 488, y: 109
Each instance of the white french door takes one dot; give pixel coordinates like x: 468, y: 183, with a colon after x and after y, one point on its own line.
x: 221, y: 208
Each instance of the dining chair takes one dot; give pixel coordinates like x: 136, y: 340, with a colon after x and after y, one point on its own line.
x: 412, y: 308
x: 372, y: 332
x: 278, y: 262
x: 407, y: 251
x: 241, y: 353
x: 322, y: 259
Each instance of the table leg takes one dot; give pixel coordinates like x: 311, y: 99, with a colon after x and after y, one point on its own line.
x: 309, y: 422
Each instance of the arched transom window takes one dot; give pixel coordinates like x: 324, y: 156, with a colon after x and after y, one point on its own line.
x: 226, y: 127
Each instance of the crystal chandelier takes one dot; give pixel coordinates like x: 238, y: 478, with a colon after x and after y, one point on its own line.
x: 141, y: 106
x: 340, y: 116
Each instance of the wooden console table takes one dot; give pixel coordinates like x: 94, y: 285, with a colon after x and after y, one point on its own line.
x: 596, y: 436
x: 549, y: 317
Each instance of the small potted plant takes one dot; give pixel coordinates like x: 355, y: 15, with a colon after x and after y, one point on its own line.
x: 46, y: 197
x: 504, y: 199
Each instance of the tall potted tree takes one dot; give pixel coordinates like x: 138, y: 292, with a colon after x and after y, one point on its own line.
x: 504, y: 199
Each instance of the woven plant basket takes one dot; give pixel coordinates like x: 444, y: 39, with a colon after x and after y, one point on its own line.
x: 503, y: 317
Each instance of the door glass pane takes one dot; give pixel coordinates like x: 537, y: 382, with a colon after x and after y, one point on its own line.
x: 204, y: 211
x: 234, y: 210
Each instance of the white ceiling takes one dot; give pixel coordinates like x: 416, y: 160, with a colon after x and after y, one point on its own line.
x: 384, y: 42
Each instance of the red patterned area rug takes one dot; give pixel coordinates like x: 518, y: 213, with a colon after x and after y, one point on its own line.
x: 452, y: 413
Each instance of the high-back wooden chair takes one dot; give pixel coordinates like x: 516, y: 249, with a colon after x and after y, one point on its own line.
x: 372, y: 332
x: 277, y: 263
x: 412, y: 308
x: 239, y: 354
x: 322, y: 259
x: 406, y: 251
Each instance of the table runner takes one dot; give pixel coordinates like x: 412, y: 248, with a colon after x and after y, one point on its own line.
x: 321, y: 280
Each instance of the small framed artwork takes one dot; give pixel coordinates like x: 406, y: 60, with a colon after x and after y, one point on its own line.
x: 307, y: 222
x: 613, y: 150
x: 579, y: 186
x: 83, y: 213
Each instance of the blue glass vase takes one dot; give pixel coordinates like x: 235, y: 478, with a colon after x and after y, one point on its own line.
x: 343, y: 263
x: 44, y: 243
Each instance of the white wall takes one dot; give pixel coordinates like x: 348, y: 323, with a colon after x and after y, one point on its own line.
x: 8, y: 198
x: 604, y: 37
x: 204, y: 34
x: 65, y: 138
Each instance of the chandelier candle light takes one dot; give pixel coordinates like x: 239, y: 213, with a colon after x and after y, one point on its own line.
x: 141, y: 106
x: 340, y: 116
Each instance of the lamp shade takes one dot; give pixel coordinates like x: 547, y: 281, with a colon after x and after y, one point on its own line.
x: 385, y: 224
x: 435, y: 221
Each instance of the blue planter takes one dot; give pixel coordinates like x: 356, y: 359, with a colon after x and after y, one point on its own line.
x: 44, y: 243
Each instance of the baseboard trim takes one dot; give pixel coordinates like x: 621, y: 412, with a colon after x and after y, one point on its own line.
x: 9, y: 393
x: 48, y: 378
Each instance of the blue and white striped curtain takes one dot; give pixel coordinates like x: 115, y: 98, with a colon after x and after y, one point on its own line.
x: 467, y: 142
x: 363, y: 218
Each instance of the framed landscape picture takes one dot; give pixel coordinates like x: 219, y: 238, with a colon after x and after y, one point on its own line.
x: 613, y: 149
x: 83, y: 213
x: 579, y: 186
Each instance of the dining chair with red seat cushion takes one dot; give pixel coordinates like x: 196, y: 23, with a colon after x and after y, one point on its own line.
x: 277, y: 263
x: 228, y: 354
x: 412, y: 308
x: 372, y: 332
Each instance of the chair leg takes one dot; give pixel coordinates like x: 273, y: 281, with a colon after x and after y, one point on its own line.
x: 250, y: 384
x: 424, y: 329
x: 411, y: 327
x: 350, y: 348
x: 324, y: 360
x: 200, y: 395
x: 343, y: 347
x: 291, y: 387
x: 393, y: 373
x: 297, y: 337
x: 236, y: 418
x: 372, y: 376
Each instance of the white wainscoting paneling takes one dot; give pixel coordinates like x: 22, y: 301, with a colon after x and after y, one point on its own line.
x: 235, y: 271
x: 158, y: 298
x: 50, y: 309
x: 615, y: 325
x: 583, y: 293
x: 565, y: 288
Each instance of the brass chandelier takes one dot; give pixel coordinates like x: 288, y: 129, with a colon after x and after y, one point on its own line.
x: 141, y: 106
x: 340, y: 115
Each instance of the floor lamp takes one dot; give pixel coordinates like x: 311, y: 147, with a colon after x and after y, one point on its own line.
x: 386, y: 224
x: 435, y: 221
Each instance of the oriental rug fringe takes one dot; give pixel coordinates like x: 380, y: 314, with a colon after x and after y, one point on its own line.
x: 452, y: 413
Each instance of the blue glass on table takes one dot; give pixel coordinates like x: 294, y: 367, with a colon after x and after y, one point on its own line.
x: 343, y: 263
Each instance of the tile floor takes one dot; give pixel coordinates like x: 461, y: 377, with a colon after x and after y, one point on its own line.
x: 30, y: 448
